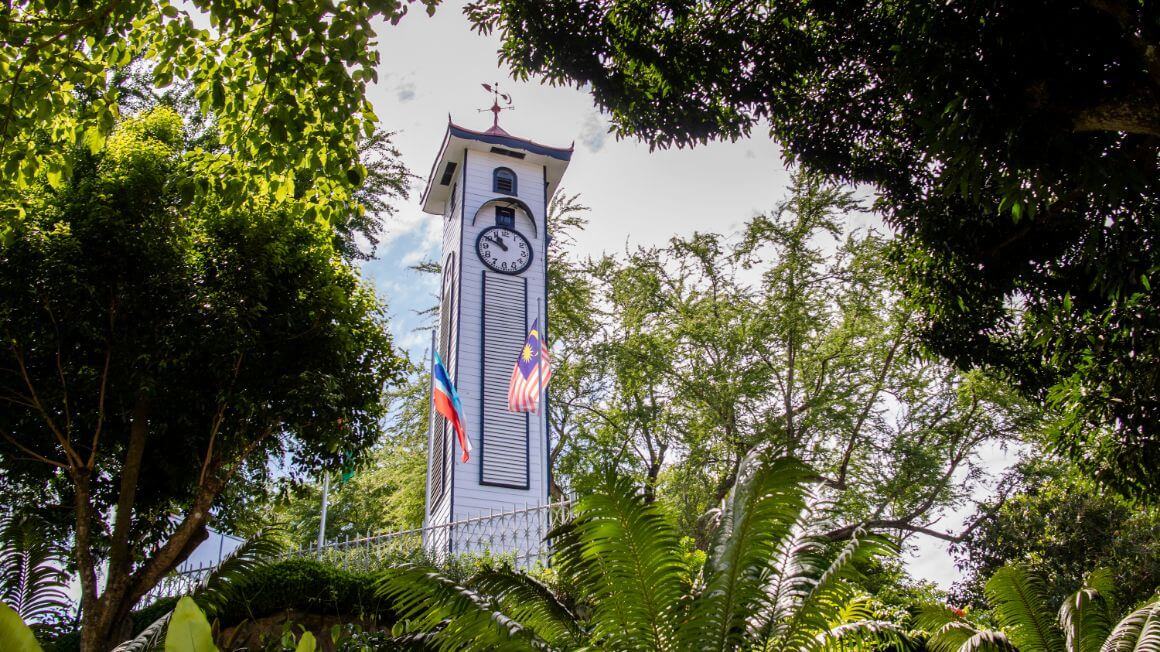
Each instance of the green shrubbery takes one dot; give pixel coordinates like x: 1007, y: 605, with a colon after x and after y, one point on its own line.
x: 304, y: 585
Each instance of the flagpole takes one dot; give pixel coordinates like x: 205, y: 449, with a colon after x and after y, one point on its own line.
x: 543, y: 401
x: 322, y: 517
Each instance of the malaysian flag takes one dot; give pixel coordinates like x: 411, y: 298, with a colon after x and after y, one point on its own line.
x: 531, y: 374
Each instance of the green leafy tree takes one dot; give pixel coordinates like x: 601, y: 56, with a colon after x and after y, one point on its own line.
x: 385, y: 493
x: 1018, y: 165
x: 284, y: 82
x: 686, y: 358
x: 1058, y: 523
x: 1085, y: 622
x: 763, y: 584
x: 161, y: 346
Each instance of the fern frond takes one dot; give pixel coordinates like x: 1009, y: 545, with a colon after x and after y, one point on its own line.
x: 1139, y: 631
x: 32, y: 580
x: 860, y: 635
x: 530, y: 603
x: 756, y: 520
x: 150, y: 638
x: 1021, y: 608
x: 624, y: 556
x: 219, y: 586
x: 456, y: 617
x: 833, y: 588
x: 1086, y: 615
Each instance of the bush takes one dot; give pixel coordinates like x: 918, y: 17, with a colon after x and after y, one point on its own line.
x: 304, y: 585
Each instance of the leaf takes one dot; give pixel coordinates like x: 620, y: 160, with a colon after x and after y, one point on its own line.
x: 306, y: 643
x: 15, y: 636
x: 1018, y: 599
x: 189, y: 631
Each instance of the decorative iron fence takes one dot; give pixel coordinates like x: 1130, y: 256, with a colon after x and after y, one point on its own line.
x: 515, y: 536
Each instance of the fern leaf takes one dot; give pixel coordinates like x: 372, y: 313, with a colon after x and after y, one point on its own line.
x: 1139, y: 631
x: 1086, y: 615
x: 456, y: 617
x: 1020, y: 606
x: 756, y: 519
x: 624, y: 555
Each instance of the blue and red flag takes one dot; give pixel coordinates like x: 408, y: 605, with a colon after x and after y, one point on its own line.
x: 447, y: 403
x: 531, y: 374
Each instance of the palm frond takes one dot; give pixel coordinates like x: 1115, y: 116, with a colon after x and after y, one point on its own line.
x: 947, y: 630
x: 624, y: 555
x: 530, y: 603
x: 1139, y: 631
x: 1018, y: 598
x: 457, y: 618
x: 833, y: 588
x: 219, y: 586
x: 861, y: 635
x: 150, y: 638
x: 1086, y: 615
x: 32, y: 580
x: 756, y: 520
x: 988, y: 640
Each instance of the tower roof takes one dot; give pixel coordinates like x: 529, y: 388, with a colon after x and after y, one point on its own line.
x: 495, y: 140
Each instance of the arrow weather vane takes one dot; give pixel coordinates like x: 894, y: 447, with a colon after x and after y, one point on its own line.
x: 496, y: 97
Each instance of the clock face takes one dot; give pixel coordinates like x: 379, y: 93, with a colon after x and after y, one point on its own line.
x: 504, y: 250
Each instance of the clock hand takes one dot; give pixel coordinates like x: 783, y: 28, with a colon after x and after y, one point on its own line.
x: 498, y: 242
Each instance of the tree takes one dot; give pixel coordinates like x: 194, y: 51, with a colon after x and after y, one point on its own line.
x: 1019, y: 166
x: 162, y: 346
x: 686, y: 358
x: 764, y: 584
x: 1058, y: 525
x: 1086, y: 620
x: 385, y: 493
x: 285, y: 84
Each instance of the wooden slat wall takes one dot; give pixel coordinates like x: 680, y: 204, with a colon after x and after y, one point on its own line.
x: 504, y: 454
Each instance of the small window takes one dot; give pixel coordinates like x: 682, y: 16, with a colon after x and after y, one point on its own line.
x: 505, y: 217
x: 503, y: 181
x: 451, y: 202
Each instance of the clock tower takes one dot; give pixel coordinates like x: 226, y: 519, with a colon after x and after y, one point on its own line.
x: 491, y: 191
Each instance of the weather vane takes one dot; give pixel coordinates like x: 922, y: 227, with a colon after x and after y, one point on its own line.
x: 495, y: 106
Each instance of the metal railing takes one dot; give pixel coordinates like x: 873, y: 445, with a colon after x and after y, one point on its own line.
x: 515, y: 536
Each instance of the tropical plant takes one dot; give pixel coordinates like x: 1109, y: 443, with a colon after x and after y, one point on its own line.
x: 32, y: 576
x: 216, y: 589
x: 1085, y: 622
x: 765, y: 583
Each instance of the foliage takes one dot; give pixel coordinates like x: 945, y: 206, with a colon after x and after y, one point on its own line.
x: 671, y: 364
x: 284, y: 82
x: 161, y: 348
x: 32, y: 578
x: 1018, y: 166
x: 303, y: 585
x: 385, y: 493
x: 1058, y: 525
x: 764, y: 584
x: 15, y: 636
x: 189, y: 630
x: 1085, y: 622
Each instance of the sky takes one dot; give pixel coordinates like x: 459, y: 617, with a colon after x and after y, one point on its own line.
x: 433, y: 66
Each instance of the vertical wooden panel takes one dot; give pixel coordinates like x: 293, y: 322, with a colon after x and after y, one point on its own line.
x: 504, y: 435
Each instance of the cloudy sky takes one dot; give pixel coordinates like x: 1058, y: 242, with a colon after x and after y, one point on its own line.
x: 433, y: 66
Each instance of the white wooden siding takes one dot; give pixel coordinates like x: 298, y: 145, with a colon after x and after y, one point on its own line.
x: 471, y: 497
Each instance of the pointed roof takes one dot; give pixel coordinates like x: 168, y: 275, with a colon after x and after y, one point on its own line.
x: 495, y: 139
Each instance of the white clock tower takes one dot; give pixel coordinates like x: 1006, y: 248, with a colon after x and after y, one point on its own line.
x: 491, y: 190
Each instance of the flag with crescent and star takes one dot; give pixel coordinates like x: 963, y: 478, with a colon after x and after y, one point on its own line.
x: 531, y: 374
